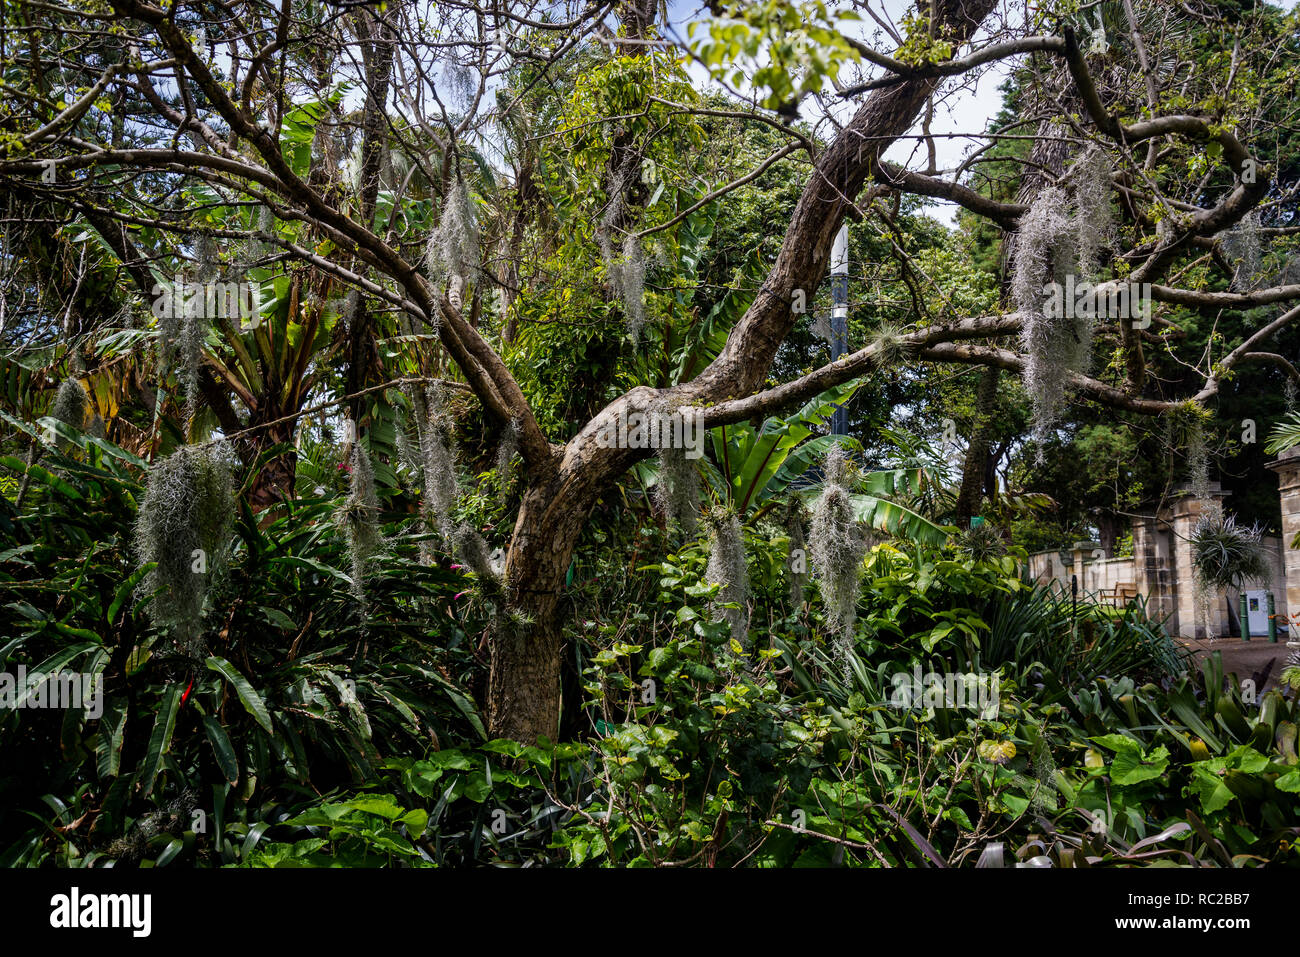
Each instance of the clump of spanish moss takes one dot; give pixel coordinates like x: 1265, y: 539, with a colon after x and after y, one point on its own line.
x: 452, y: 252
x: 182, y: 527
x: 837, y: 545
x: 441, y: 487
x: 72, y: 404
x: 462, y: 82
x: 1044, y: 796
x: 170, y: 325
x: 1243, y: 244
x: 677, y: 493
x: 1054, y: 342
x: 348, y: 312
x: 1091, y: 177
x: 193, y: 332
x: 360, y: 517
x: 627, y: 275
x: 471, y: 548
x: 1198, y: 461
x: 506, y: 453
x: 727, y: 568
x: 616, y: 209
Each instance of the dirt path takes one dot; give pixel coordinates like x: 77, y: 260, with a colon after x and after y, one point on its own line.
x: 1247, y: 659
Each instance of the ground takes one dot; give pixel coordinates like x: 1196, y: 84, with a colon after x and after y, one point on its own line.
x: 1245, y: 658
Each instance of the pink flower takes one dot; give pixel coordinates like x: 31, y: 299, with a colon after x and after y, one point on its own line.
x: 457, y: 568
x: 459, y: 595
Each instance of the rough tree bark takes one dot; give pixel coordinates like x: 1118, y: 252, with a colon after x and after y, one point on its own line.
x: 977, y: 465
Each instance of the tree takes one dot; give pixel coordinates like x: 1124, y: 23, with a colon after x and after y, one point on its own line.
x: 1163, y: 143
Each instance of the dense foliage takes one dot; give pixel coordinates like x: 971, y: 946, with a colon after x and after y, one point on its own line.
x: 316, y: 325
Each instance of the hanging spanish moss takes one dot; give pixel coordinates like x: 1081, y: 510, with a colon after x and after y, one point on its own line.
x: 627, y: 275
x: 506, y: 452
x: 462, y: 82
x: 1243, y: 244
x: 837, y: 546
x: 471, y: 548
x: 181, y: 527
x: 677, y: 493
x: 1198, y: 460
x: 452, y: 253
x: 727, y: 568
x: 1093, y: 222
x: 169, y: 333
x: 360, y: 519
x: 1054, y: 342
x: 615, y: 210
x: 441, y: 485
x: 407, y: 441
x: 351, y: 306
x: 1045, y: 791
x: 1188, y: 429
x: 193, y: 333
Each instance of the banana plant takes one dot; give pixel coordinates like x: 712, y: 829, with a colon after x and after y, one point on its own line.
x: 755, y: 468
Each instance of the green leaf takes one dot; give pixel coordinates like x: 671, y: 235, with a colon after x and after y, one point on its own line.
x: 251, y: 700
x: 51, y: 666
x: 222, y: 749
x: 111, y: 725
x: 125, y: 589
x: 160, y: 741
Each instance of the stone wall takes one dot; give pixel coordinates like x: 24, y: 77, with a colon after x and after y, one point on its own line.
x: 1161, y: 568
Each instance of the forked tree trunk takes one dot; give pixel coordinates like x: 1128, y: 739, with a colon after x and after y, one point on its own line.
x: 524, y: 679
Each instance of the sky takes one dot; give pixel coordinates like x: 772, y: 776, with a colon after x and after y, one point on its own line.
x: 964, y: 110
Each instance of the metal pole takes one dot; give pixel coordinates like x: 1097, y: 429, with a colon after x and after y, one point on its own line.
x: 1244, y: 615
x: 840, y: 314
x: 1272, y: 617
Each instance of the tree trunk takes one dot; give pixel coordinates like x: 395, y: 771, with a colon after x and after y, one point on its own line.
x: 523, y: 683
x: 975, y: 470
x: 275, y: 479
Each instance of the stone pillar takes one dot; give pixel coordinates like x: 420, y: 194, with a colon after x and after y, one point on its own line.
x: 1081, y: 553
x: 1288, y: 486
x: 1151, y: 572
x: 1191, y: 621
